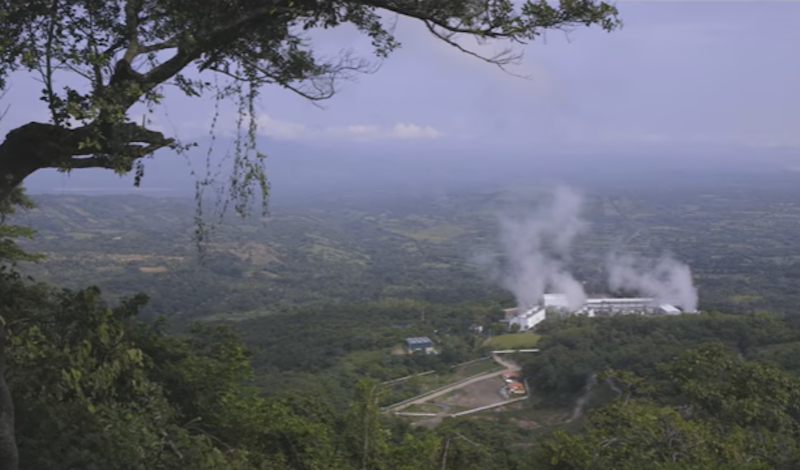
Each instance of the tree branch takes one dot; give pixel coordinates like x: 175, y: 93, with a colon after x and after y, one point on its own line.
x: 324, y: 80
x: 47, y: 74
x: 501, y: 59
x: 8, y: 106
x: 35, y: 146
x: 488, y: 32
x: 170, y: 43
x: 132, y: 8
x: 190, y: 47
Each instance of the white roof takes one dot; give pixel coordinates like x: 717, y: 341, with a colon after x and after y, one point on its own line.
x: 556, y: 300
x: 611, y: 300
x: 668, y: 308
x: 418, y: 340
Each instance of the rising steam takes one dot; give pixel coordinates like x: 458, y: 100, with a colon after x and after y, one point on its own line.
x: 666, y: 279
x: 536, y: 243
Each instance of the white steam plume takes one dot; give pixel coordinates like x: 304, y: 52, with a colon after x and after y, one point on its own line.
x: 535, y: 245
x: 666, y: 279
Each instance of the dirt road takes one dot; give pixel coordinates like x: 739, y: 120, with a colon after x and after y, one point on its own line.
x: 509, y: 367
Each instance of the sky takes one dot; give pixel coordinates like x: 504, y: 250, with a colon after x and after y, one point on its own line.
x: 681, y: 79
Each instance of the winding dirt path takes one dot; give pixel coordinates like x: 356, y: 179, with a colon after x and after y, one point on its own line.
x: 510, y: 366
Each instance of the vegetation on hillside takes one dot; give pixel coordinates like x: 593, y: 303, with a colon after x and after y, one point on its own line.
x: 513, y: 341
x: 297, y: 385
x: 341, y: 250
x: 97, y: 388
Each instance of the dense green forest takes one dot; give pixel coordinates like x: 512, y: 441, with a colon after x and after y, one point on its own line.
x: 144, y: 333
x: 97, y: 388
x: 291, y: 376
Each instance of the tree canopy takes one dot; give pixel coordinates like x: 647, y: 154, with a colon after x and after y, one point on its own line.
x: 96, y: 59
x: 712, y: 410
x: 128, y: 52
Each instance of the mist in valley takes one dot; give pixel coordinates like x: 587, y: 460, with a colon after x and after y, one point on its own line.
x: 307, y: 173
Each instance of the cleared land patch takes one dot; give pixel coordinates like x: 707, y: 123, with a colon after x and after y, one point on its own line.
x: 153, y: 269
x: 513, y: 341
x: 481, y: 393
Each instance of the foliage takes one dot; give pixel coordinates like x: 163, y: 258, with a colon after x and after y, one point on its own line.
x: 127, y: 52
x: 195, y: 393
x: 716, y: 411
x: 481, y: 444
x: 84, y: 396
x: 301, y: 257
x: 96, y: 388
x: 575, y: 348
x: 513, y: 341
x: 10, y: 252
x: 356, y: 249
x: 328, y: 349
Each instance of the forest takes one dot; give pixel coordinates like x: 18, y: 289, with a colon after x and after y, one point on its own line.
x: 231, y: 333
x: 269, y: 347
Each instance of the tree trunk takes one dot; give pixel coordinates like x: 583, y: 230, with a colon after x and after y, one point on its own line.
x: 11, y: 176
x: 30, y: 148
x: 21, y: 154
x: 9, y: 456
x: 35, y: 146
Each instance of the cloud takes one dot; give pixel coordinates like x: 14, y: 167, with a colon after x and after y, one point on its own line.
x: 277, y: 129
x: 413, y: 131
x: 356, y: 132
x: 286, y: 130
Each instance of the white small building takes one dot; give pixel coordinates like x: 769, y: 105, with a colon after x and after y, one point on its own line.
x: 420, y: 344
x: 606, y: 306
x: 558, y: 304
x: 528, y: 319
x: 668, y: 309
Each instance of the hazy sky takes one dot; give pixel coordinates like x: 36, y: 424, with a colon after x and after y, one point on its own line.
x: 678, y: 71
x: 679, y: 74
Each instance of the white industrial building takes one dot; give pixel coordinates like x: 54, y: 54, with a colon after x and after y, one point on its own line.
x: 607, y: 306
x: 526, y: 319
x: 593, y: 307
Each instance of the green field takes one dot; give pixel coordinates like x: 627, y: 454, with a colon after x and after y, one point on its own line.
x: 513, y: 341
x: 477, y: 368
x: 423, y: 409
x: 434, y: 381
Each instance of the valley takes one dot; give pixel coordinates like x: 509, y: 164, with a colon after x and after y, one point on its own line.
x: 324, y: 297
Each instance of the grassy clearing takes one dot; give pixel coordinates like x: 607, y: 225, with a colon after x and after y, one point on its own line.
x: 477, y: 368
x: 81, y: 235
x: 513, y: 341
x: 745, y: 298
x: 237, y: 316
x: 153, y: 269
x: 422, y: 408
x: 439, y: 233
x: 434, y: 381
x: 336, y: 255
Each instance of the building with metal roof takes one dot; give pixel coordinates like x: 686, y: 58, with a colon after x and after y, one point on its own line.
x: 420, y: 345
